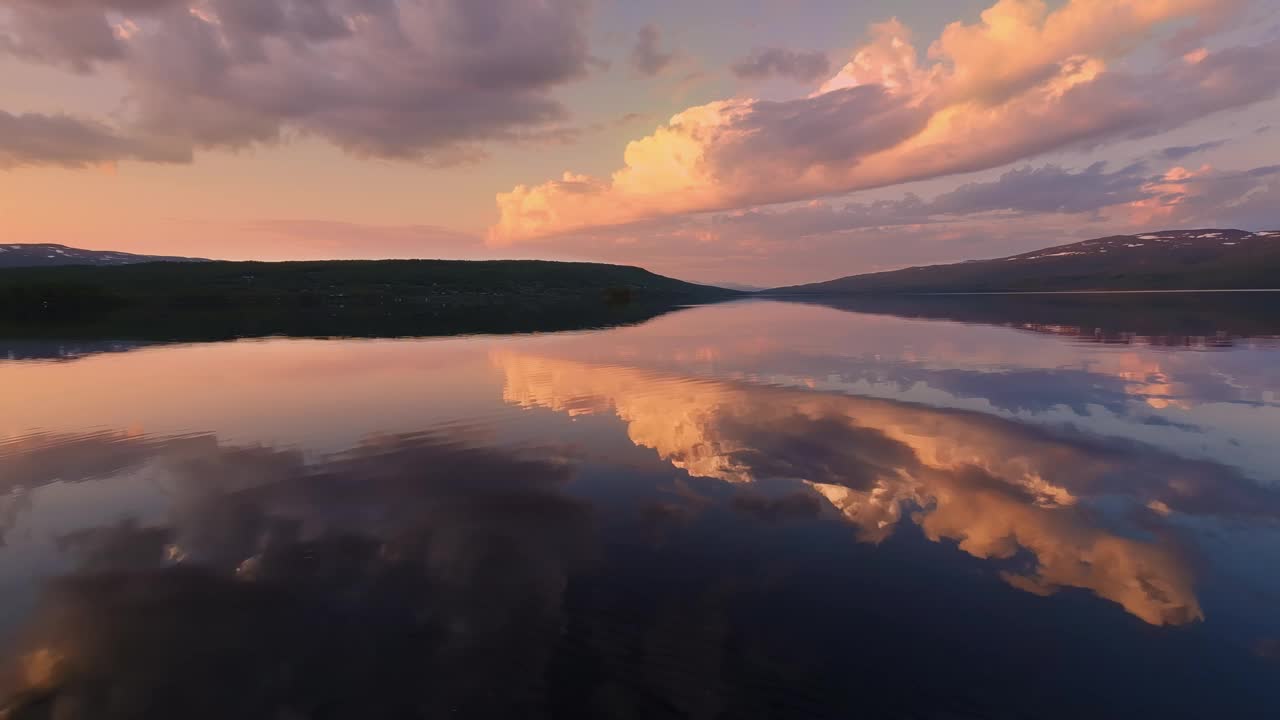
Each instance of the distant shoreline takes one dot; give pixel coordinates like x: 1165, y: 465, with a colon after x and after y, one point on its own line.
x: 889, y: 293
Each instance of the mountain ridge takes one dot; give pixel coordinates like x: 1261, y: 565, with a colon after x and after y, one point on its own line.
x: 23, y: 255
x: 1197, y: 259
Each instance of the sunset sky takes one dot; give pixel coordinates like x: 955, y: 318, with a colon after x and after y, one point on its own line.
x: 751, y: 141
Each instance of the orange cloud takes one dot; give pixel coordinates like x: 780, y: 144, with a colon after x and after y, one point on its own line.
x: 994, y: 487
x: 1164, y: 196
x: 1022, y: 81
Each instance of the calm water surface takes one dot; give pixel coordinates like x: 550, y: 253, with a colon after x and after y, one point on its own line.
x: 751, y: 510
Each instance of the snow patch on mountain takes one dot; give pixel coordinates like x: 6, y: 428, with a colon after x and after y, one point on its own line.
x: 49, y: 254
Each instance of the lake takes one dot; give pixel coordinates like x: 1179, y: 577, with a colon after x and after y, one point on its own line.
x: 944, y: 508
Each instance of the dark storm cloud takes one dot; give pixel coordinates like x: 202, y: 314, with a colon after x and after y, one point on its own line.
x: 800, y: 66
x: 647, y: 57
x: 402, y: 79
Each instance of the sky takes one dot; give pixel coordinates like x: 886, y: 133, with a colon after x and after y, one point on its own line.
x: 761, y: 142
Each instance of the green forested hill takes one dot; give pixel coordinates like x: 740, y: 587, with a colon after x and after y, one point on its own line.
x: 375, y: 282
x: 393, y: 297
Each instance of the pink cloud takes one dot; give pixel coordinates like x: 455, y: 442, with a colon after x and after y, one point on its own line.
x: 1022, y: 82
x: 1023, y: 209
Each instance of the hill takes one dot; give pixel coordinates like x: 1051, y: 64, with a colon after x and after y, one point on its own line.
x: 213, y: 300
x: 1166, y: 260
x: 48, y: 255
x: 341, y: 282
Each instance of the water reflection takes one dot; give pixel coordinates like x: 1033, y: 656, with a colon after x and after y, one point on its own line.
x: 995, y: 487
x: 1217, y: 405
x: 748, y: 510
x: 408, y: 575
x: 61, y: 337
x: 11, y: 349
x: 1170, y: 319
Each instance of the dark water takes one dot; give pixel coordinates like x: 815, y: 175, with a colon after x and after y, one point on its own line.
x: 750, y: 510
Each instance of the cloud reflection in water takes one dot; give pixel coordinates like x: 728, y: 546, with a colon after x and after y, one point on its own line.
x: 406, y: 576
x: 995, y: 487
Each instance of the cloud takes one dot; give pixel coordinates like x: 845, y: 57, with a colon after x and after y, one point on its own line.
x: 646, y: 56
x: 1047, y: 189
x: 1210, y: 197
x: 762, y: 63
x: 1020, y: 191
x: 1022, y: 82
x: 1179, y: 152
x: 1022, y: 209
x: 401, y: 79
x: 73, y: 33
x: 65, y: 141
